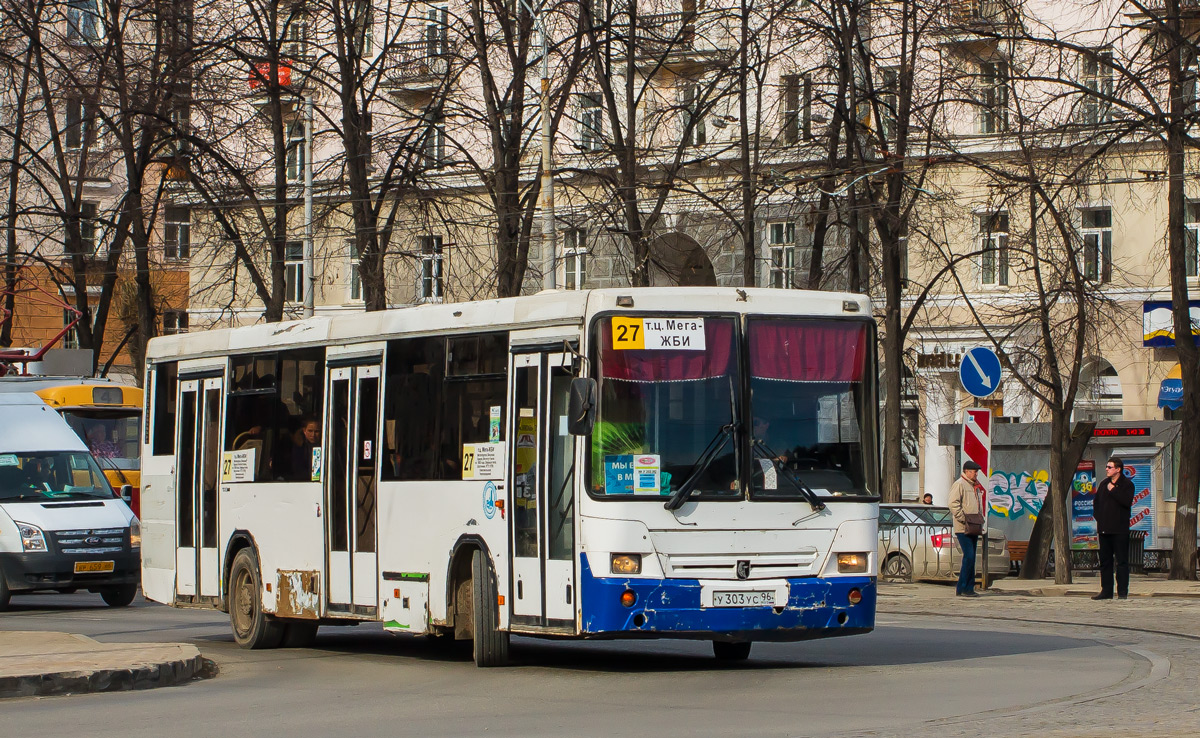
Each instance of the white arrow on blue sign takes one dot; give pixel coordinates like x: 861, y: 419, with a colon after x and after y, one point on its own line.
x: 980, y: 371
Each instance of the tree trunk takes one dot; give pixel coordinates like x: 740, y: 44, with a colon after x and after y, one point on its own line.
x: 1183, y: 552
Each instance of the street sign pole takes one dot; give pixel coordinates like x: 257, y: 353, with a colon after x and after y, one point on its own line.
x: 979, y: 373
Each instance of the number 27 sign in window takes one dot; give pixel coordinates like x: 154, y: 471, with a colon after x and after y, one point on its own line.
x: 657, y: 334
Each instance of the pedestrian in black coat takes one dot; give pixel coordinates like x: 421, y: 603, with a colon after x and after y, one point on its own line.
x: 1114, y: 500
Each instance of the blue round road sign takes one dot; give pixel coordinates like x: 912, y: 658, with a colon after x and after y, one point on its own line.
x: 979, y: 371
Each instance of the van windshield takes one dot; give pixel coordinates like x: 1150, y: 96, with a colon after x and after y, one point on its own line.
x: 54, y: 475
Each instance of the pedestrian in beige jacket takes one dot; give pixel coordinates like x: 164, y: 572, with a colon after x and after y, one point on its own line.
x: 964, y: 501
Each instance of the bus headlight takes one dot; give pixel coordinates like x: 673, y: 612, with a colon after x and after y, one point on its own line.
x: 852, y: 563
x: 32, y: 538
x: 135, y: 534
x: 626, y: 563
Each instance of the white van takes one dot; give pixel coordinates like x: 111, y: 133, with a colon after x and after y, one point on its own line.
x: 62, y: 528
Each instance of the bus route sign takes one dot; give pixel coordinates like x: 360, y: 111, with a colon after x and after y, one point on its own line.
x: 658, y: 334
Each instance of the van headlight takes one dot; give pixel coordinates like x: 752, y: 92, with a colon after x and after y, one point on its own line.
x: 135, y: 534
x: 32, y: 538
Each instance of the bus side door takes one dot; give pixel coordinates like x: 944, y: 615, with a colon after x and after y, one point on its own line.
x: 542, y: 492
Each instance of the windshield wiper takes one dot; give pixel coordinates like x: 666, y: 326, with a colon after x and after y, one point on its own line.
x: 807, y: 492
x: 679, y: 496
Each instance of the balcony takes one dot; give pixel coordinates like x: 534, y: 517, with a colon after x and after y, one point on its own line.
x: 982, y: 14
x: 674, y: 41
x: 420, y: 65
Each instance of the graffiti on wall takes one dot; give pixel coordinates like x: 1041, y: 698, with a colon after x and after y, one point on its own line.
x: 1017, y: 495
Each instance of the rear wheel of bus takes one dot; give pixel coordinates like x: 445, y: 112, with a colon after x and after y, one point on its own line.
x: 490, y: 644
x: 252, y: 628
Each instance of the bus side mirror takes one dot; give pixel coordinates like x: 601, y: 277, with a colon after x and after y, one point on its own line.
x: 127, y: 493
x: 582, y: 410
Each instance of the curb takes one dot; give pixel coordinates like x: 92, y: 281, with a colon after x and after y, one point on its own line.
x: 1087, y: 593
x: 151, y: 676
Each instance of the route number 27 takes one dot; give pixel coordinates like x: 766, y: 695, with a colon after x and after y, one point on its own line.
x: 628, y: 333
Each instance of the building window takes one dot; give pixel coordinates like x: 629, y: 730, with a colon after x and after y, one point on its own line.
x: 354, y: 286
x: 1098, y: 80
x: 591, y: 122
x: 436, y: 30
x: 70, y: 339
x: 575, y: 258
x: 175, y: 321
x: 993, y: 249
x: 295, y: 151
x: 177, y: 233
x: 782, y: 244
x: 431, y: 269
x: 293, y: 271
x: 295, y: 36
x: 364, y: 24
x: 889, y: 101
x: 693, y: 116
x: 1097, y: 244
x: 794, y: 124
x: 433, y: 146
x: 993, y: 97
x: 89, y: 231
x: 83, y: 21
x: 80, y: 120
x: 1101, y: 398
x: 180, y: 115
x: 1192, y: 233
x: 1191, y: 73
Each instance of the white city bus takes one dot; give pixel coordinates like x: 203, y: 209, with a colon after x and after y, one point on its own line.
x: 624, y: 463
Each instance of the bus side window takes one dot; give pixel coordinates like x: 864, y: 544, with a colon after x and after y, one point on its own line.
x: 412, y: 396
x: 165, y: 391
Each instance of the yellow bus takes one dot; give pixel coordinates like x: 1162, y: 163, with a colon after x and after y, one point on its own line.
x: 106, y: 415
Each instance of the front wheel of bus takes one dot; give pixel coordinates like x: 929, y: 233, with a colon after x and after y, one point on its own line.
x: 490, y: 644
x: 252, y: 628
x: 726, y: 651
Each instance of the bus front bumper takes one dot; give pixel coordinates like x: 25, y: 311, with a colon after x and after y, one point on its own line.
x: 671, y: 608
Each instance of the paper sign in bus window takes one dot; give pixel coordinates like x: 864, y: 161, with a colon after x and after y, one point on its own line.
x: 658, y: 334
x: 645, y: 474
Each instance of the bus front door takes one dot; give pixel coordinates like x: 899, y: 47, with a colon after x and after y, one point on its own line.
x: 197, y: 562
x: 542, y: 491
x: 351, y: 489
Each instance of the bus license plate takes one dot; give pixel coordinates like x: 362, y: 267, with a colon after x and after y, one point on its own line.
x: 744, y: 599
x: 93, y: 567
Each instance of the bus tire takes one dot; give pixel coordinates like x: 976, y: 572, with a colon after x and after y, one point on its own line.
x: 252, y: 628
x: 726, y: 651
x: 299, y: 634
x: 120, y: 596
x: 489, y: 643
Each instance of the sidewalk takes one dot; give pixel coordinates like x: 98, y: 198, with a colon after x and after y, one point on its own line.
x: 1140, y: 586
x: 36, y: 663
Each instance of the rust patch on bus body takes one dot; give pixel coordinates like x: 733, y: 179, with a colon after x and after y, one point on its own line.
x: 299, y: 594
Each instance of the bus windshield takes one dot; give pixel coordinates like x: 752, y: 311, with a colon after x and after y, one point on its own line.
x: 111, y: 435
x: 669, y: 390
x: 811, y: 408
x: 54, y: 475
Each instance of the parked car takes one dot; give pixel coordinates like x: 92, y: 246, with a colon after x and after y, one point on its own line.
x: 917, y: 542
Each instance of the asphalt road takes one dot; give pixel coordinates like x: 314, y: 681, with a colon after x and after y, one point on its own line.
x: 363, y: 681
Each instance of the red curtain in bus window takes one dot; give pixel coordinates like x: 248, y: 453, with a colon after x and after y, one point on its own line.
x: 807, y: 350
x: 669, y: 365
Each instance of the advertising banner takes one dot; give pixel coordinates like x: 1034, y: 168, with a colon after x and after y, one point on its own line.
x: 1083, y: 497
x: 1141, y: 517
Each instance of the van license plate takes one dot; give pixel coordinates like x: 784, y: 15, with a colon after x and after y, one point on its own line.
x: 93, y: 567
x: 744, y: 599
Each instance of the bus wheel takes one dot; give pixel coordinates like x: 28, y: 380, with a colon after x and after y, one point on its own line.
x: 119, y: 596
x: 490, y: 645
x: 252, y: 628
x: 299, y: 634
x: 726, y: 651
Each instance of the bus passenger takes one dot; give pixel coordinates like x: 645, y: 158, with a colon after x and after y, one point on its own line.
x: 98, y: 443
x: 305, y: 438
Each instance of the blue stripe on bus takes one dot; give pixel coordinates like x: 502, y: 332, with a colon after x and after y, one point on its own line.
x: 671, y: 608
